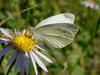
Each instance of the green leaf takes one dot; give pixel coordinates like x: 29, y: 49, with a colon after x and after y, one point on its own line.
x: 78, y: 71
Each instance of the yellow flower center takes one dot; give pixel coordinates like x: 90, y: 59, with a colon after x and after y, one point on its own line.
x: 23, y: 43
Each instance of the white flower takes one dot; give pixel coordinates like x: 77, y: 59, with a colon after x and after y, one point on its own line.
x: 57, y: 31
x: 90, y: 4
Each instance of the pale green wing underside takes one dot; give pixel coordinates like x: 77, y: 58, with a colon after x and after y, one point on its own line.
x: 60, y: 18
x: 57, y: 31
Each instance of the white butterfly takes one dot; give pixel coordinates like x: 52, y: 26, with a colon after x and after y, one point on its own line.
x: 58, y: 30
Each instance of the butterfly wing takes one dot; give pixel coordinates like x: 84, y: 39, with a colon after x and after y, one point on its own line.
x: 59, y: 30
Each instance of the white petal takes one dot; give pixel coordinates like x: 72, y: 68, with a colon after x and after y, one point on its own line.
x: 17, y: 63
x: 26, y: 61
x: 60, y: 18
x: 5, y: 32
x: 34, y: 64
x: 13, y: 57
x: 26, y: 54
x: 39, y: 47
x: 23, y: 32
x: 5, y: 50
x: 4, y: 40
x: 39, y: 61
x: 16, y: 32
x: 21, y: 63
x: 44, y: 57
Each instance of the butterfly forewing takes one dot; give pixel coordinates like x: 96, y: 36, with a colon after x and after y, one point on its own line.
x: 59, y: 30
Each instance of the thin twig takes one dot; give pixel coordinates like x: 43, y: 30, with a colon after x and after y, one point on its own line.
x: 15, y: 15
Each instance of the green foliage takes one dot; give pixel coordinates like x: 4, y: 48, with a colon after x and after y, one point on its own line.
x: 79, y: 58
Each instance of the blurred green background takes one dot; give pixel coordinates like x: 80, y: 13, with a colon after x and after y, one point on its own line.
x: 82, y: 57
